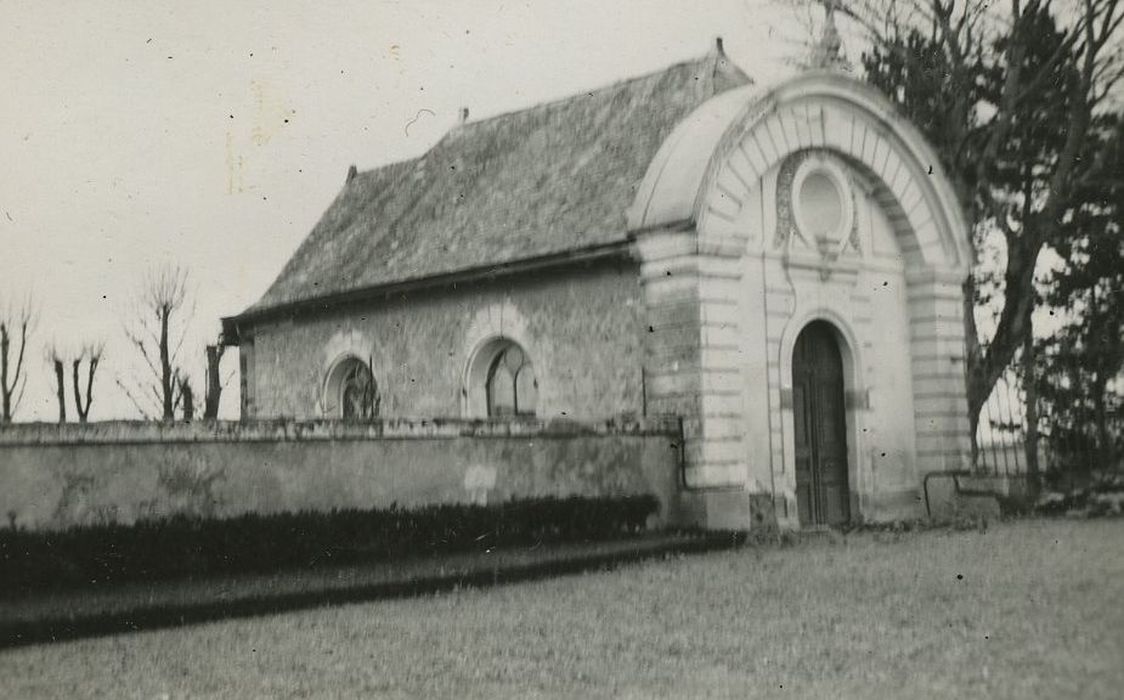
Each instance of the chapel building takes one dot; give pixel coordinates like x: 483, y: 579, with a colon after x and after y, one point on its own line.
x: 780, y: 267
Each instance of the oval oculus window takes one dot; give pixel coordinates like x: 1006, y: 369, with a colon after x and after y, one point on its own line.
x: 822, y: 208
x: 821, y: 205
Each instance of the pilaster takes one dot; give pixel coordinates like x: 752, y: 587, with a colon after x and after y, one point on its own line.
x: 937, y: 347
x: 692, y: 361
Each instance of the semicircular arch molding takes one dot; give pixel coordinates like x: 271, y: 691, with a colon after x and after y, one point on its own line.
x: 825, y: 111
x: 491, y: 328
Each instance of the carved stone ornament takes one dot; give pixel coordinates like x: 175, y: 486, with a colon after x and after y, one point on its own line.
x: 816, y: 207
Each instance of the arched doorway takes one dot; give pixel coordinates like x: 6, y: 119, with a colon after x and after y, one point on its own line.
x: 820, y: 427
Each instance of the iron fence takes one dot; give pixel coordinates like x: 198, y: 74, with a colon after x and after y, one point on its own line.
x: 1078, y: 434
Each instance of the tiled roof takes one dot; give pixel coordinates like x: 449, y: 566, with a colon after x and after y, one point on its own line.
x: 554, y: 178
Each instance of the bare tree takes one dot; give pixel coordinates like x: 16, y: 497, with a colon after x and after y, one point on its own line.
x: 157, y: 332
x: 91, y: 353
x: 55, y: 359
x: 17, y: 322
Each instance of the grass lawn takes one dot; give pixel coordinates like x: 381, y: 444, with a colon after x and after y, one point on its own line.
x: 1024, y: 610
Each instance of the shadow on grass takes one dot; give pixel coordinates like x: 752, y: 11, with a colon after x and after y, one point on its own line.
x: 56, y: 627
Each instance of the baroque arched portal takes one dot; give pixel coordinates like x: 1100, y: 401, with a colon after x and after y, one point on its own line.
x: 768, y: 208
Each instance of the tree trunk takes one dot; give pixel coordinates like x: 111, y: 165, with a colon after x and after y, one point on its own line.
x: 1100, y: 417
x: 5, y: 394
x: 972, y: 364
x: 214, y: 382
x: 188, y: 401
x: 1030, y: 387
x: 985, y: 367
x: 166, y: 381
x: 60, y: 388
x: 91, y: 368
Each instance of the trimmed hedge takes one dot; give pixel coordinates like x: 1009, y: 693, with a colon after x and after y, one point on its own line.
x: 183, y: 547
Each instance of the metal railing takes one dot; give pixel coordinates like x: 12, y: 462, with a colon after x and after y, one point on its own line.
x: 1075, y: 439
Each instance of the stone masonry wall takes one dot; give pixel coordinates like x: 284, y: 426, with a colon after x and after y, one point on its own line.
x: 53, y: 477
x: 581, y: 328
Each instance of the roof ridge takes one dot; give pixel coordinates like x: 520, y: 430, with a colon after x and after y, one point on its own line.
x: 711, y: 56
x: 716, y: 57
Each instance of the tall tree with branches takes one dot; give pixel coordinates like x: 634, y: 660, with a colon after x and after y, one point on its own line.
x: 1015, y: 98
x: 82, y: 378
x: 1080, y: 377
x: 91, y: 353
x: 17, y: 323
x: 157, y: 331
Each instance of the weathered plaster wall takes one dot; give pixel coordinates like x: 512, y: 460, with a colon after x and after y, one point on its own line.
x: 582, y: 329
x: 56, y: 476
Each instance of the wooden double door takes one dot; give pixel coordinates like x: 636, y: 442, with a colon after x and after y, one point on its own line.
x: 822, y: 492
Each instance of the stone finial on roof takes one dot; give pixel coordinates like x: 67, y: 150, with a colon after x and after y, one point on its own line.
x: 464, y: 115
x: 724, y: 74
x: 352, y: 171
x: 827, y: 53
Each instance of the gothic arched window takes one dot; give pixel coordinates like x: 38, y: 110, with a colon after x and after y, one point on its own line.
x: 357, y: 395
x: 352, y: 392
x: 511, y: 385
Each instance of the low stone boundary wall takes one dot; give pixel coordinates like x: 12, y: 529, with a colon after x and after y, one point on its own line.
x: 56, y: 476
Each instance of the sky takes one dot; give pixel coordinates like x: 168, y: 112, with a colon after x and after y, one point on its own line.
x: 214, y: 134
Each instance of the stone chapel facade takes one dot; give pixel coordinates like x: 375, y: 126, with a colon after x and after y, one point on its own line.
x: 780, y: 267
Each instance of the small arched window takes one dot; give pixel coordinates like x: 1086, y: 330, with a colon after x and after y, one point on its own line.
x: 511, y: 385
x: 351, y: 392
